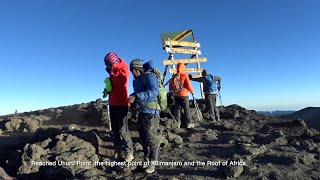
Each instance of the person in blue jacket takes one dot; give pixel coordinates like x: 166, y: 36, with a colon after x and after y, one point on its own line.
x: 144, y: 98
x: 210, y: 86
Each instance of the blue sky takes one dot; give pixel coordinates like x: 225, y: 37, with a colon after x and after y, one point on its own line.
x: 51, y: 52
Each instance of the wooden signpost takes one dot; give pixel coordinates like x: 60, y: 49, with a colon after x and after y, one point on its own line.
x: 182, y: 42
x: 188, y: 70
x: 185, y: 61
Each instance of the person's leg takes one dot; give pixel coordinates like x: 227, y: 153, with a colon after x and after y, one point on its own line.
x: 186, y: 109
x: 177, y: 110
x: 216, y: 110
x: 115, y: 127
x: 143, y: 136
x: 125, y: 133
x: 210, y: 104
x: 151, y: 124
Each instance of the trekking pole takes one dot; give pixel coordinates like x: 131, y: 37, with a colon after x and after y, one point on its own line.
x: 220, y: 98
x: 108, y: 111
x: 199, y: 114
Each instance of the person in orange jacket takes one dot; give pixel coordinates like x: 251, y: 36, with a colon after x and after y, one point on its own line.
x: 180, y: 84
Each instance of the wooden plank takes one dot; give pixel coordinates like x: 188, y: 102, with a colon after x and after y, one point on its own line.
x: 196, y: 75
x: 182, y: 51
x: 189, y: 70
x: 191, y: 60
x: 183, y: 43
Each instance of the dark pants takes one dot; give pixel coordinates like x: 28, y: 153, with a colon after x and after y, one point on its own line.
x: 182, y: 102
x: 211, y: 106
x: 149, y: 124
x: 120, y: 130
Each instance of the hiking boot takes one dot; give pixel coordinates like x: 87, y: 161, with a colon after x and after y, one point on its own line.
x: 190, y: 125
x: 129, y: 157
x: 151, y: 169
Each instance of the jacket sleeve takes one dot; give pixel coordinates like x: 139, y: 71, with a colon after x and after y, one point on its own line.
x: 199, y: 79
x: 122, y: 78
x: 217, y: 78
x: 187, y: 84
x: 152, y: 89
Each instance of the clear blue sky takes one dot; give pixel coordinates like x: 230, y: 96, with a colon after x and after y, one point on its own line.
x: 51, y: 52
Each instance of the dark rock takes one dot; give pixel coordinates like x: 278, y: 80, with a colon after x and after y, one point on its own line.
x: 233, y: 171
x: 13, y: 124
x: 173, y: 138
x: 137, y: 146
x: 73, y: 127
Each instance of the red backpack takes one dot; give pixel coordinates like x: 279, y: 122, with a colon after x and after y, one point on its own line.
x: 177, y: 84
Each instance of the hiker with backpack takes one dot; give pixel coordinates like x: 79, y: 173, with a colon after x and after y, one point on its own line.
x: 180, y: 85
x: 118, y: 104
x: 210, y: 86
x: 145, y: 99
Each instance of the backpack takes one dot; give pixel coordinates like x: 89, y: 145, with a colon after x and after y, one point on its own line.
x: 162, y: 97
x: 211, y: 83
x: 177, y: 84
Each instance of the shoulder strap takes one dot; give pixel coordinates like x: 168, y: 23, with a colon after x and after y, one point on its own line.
x: 144, y: 81
x: 212, y: 78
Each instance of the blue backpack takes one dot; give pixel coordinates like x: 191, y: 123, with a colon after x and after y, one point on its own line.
x: 210, y: 84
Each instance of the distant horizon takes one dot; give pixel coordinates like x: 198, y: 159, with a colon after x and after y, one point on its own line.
x: 248, y: 108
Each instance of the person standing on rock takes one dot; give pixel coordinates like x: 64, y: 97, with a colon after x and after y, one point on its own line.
x: 210, y: 86
x: 181, y: 86
x: 146, y: 91
x: 118, y: 103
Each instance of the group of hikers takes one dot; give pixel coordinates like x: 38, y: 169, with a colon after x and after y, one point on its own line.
x: 147, y: 87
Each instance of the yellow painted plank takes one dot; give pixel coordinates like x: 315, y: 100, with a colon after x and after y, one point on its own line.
x: 189, y: 70
x: 191, y: 60
x: 183, y: 43
x: 183, y: 51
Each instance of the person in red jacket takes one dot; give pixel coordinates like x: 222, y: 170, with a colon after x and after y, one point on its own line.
x: 118, y: 103
x: 181, y: 86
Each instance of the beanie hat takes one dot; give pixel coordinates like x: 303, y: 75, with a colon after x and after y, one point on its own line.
x: 111, y: 58
x: 136, y: 64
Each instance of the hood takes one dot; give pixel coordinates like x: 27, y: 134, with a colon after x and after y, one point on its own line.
x: 181, y: 68
x: 148, y: 66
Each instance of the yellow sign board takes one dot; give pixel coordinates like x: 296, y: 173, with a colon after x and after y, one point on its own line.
x: 189, y: 70
x: 182, y: 43
x: 196, y: 76
x: 191, y: 60
x: 183, y: 51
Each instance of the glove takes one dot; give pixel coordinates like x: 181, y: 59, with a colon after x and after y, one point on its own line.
x: 219, y: 87
x: 105, y: 93
x: 190, y: 76
x: 109, y: 69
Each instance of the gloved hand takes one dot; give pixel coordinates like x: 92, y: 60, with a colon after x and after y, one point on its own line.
x: 109, y: 69
x: 105, y: 93
x: 190, y: 76
x: 219, y: 86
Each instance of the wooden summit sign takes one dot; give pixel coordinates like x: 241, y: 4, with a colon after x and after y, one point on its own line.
x: 182, y: 43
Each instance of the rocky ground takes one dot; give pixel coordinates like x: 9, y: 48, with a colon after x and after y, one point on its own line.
x: 242, y: 145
